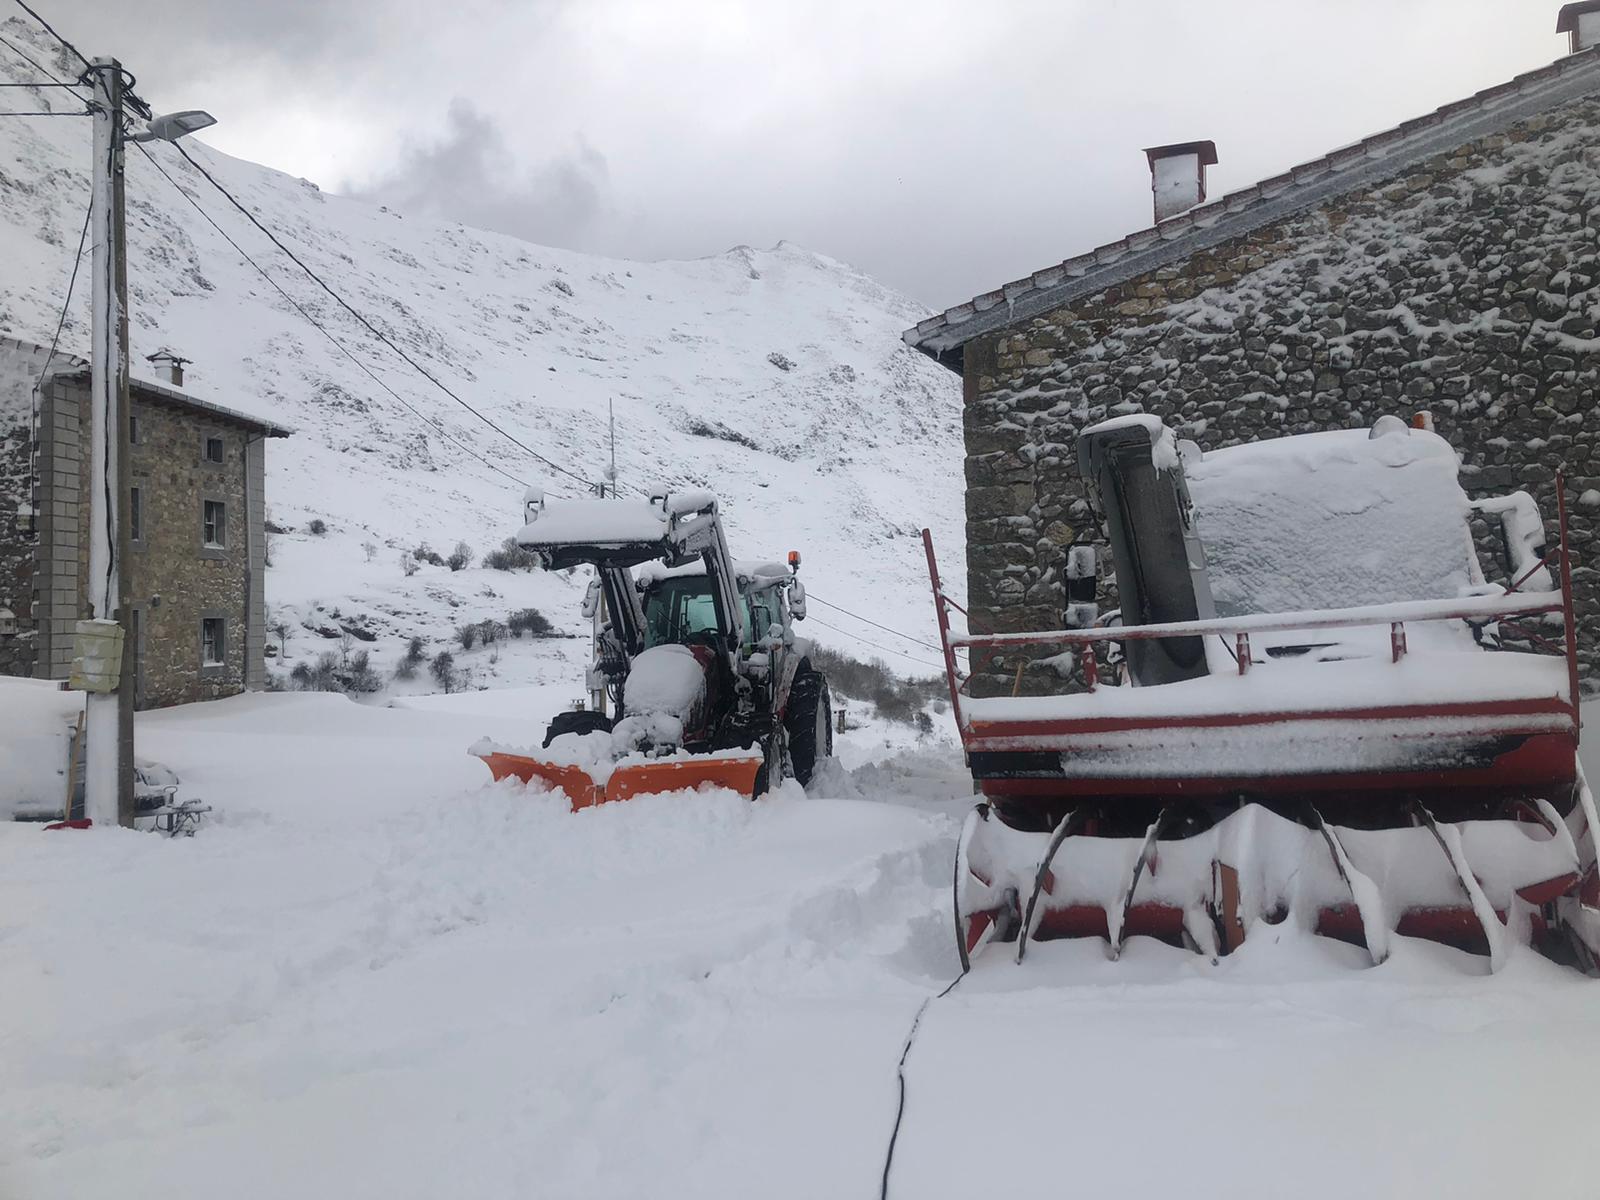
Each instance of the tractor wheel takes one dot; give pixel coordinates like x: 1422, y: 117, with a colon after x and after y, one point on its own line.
x: 809, y: 723
x: 581, y: 721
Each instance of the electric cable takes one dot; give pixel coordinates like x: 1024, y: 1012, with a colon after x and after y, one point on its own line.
x: 373, y: 329
x: 50, y: 29
x: 61, y: 320
x: 810, y: 595
x: 876, y: 645
x: 35, y: 64
x: 900, y: 1074
x: 320, y: 328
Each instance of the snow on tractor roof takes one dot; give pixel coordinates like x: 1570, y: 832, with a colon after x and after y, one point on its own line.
x: 1327, y: 520
x: 593, y: 523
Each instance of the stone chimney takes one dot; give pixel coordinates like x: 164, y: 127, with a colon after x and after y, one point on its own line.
x: 168, y: 366
x: 1581, y: 23
x: 1178, y: 174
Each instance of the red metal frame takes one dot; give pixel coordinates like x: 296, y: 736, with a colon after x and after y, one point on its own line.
x: 1549, y: 727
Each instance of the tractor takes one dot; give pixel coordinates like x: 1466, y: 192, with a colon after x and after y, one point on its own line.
x: 697, y: 675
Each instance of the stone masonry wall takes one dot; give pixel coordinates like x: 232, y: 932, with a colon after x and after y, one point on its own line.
x: 176, y: 580
x: 17, y: 639
x: 21, y: 365
x: 1469, y: 287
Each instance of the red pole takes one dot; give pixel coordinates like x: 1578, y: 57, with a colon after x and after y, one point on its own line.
x: 943, y: 614
x: 1568, y: 616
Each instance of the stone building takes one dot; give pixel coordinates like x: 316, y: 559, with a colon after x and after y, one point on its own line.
x: 196, y: 521
x: 1451, y: 264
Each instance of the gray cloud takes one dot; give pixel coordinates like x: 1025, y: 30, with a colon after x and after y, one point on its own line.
x: 944, y: 146
x: 471, y: 175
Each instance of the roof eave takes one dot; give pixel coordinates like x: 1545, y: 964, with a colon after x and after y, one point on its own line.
x: 1309, y: 185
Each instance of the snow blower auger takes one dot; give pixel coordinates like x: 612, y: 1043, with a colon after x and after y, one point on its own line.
x: 695, y: 656
x: 1308, y: 707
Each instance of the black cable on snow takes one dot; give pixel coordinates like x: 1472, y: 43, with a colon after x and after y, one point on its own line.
x: 900, y: 1074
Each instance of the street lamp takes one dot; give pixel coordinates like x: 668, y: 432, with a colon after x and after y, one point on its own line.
x: 103, y: 649
x: 171, y: 126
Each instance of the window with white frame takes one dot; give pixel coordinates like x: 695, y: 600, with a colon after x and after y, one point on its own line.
x: 212, y: 647
x: 214, y: 524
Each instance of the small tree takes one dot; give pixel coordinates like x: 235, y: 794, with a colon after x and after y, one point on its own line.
x: 443, y: 670
x: 371, y: 549
x: 409, y: 565
x: 318, y: 526
x: 467, y: 635
x: 490, y: 631
x: 414, y: 650
x: 359, y: 676
x: 460, y: 558
x: 281, y: 628
x: 300, y: 676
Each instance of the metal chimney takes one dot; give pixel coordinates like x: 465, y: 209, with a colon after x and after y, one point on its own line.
x: 1178, y: 174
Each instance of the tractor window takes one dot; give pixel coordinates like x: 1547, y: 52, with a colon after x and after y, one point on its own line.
x: 760, y: 612
x: 675, y: 610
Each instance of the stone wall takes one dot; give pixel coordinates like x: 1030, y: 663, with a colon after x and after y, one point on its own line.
x: 1469, y: 287
x: 21, y: 365
x: 17, y: 639
x: 176, y: 580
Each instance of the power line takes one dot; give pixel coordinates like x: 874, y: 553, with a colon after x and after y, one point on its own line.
x: 34, y: 63
x: 31, y: 83
x: 373, y: 329
x: 44, y: 113
x: 61, y: 321
x: 50, y: 29
x: 877, y: 645
x: 810, y: 595
x: 319, y: 327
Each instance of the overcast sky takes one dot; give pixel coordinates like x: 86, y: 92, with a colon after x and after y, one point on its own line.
x: 944, y: 146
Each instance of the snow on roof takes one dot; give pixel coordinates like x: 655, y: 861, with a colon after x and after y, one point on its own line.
x: 1363, y: 163
x: 23, y: 364
x: 1331, y: 520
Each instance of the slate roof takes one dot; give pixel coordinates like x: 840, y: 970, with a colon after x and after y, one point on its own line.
x: 1367, y: 162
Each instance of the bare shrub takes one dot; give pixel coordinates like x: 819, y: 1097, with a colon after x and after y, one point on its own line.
x: 529, y: 621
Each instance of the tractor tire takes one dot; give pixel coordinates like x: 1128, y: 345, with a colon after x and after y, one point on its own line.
x: 582, y: 721
x: 809, y: 724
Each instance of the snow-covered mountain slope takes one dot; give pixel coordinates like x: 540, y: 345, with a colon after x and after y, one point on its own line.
x: 774, y: 377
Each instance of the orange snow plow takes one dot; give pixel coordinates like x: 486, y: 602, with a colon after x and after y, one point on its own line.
x: 698, y: 678
x: 638, y: 779
x: 1309, y: 707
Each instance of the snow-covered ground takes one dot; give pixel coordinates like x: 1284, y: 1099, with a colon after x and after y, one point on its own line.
x: 374, y: 974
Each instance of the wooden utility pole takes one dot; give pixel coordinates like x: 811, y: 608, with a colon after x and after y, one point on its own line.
x: 108, y: 761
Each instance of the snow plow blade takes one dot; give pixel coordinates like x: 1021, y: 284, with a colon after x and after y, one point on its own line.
x: 629, y: 780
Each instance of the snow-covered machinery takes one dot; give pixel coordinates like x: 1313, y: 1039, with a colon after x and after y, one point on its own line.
x: 1310, y: 707
x: 695, y: 655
